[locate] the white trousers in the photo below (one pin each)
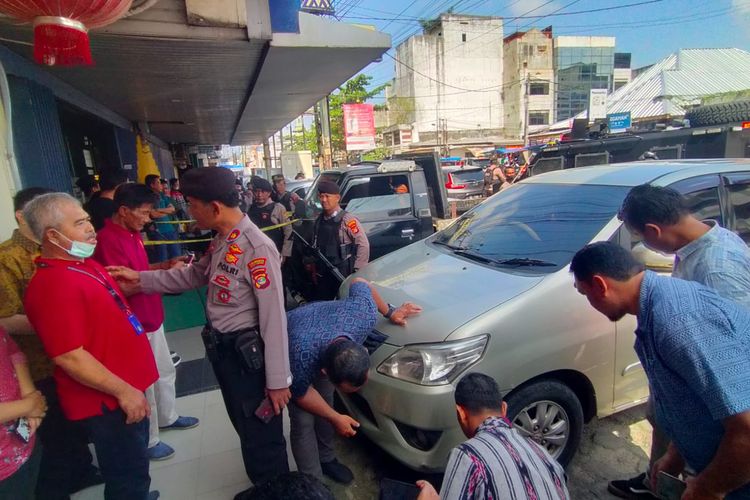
(161, 395)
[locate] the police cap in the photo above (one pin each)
(328, 187)
(211, 184)
(262, 185)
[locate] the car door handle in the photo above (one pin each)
(407, 233)
(631, 368)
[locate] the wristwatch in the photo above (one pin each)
(391, 310)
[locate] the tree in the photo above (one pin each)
(352, 92)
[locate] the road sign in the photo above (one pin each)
(317, 6)
(619, 122)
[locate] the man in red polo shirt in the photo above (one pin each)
(103, 361)
(119, 243)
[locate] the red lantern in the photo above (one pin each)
(61, 26)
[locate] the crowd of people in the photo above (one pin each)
(84, 357)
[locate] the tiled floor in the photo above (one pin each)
(207, 464)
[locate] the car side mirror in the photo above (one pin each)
(653, 260)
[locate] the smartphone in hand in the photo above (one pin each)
(23, 430)
(669, 487)
(265, 411)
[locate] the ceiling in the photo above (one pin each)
(220, 91)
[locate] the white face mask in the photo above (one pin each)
(79, 249)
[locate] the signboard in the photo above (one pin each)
(359, 127)
(317, 6)
(597, 104)
(618, 122)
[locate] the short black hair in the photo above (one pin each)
(296, 485)
(113, 178)
(86, 184)
(173, 181)
(478, 392)
(346, 361)
(134, 196)
(150, 178)
(605, 258)
(26, 195)
(647, 204)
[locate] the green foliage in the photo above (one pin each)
(725, 97)
(352, 92)
(305, 142)
(379, 153)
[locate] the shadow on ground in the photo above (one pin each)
(615, 447)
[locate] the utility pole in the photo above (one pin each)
(267, 157)
(526, 107)
(323, 129)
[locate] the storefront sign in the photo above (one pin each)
(597, 104)
(619, 122)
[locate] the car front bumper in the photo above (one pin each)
(413, 423)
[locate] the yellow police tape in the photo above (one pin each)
(203, 240)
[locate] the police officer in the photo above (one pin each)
(246, 335)
(265, 213)
(340, 237)
(281, 195)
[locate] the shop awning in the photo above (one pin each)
(213, 85)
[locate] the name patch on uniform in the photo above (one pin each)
(224, 296)
(222, 280)
(261, 279)
(256, 263)
(353, 226)
(231, 258)
(233, 235)
(227, 269)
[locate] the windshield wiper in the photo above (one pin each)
(474, 256)
(448, 245)
(523, 262)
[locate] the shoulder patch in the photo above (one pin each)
(233, 235)
(353, 226)
(259, 262)
(261, 279)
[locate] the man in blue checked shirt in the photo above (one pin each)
(325, 350)
(704, 252)
(694, 346)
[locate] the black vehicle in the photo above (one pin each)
(721, 141)
(390, 219)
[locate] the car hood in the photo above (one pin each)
(451, 290)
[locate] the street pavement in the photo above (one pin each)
(615, 447)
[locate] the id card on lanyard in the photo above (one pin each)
(132, 319)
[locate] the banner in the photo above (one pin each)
(598, 104)
(359, 127)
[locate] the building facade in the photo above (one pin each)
(528, 82)
(448, 81)
(582, 63)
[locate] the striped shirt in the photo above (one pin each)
(498, 463)
(720, 260)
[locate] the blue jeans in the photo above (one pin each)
(121, 452)
(166, 252)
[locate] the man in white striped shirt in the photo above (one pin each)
(496, 462)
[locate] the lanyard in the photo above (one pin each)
(112, 292)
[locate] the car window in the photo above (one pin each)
(378, 197)
(468, 175)
(702, 196)
(544, 222)
(738, 187)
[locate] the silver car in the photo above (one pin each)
(462, 183)
(498, 298)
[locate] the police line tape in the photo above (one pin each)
(204, 240)
(190, 221)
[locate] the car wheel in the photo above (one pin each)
(551, 414)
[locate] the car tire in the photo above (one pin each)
(719, 114)
(564, 417)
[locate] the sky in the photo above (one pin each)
(649, 31)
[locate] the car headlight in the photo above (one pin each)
(434, 364)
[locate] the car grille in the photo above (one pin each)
(363, 407)
(374, 340)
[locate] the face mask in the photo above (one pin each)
(79, 249)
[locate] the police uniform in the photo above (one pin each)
(246, 337)
(342, 240)
(272, 214)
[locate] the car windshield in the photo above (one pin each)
(468, 174)
(535, 226)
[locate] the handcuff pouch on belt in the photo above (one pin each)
(246, 343)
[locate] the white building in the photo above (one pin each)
(528, 67)
(453, 73)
